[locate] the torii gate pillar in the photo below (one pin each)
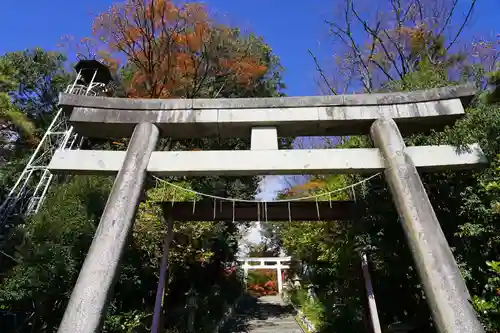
(445, 289)
(90, 297)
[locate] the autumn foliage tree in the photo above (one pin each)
(163, 49)
(168, 50)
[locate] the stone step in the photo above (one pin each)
(272, 322)
(276, 330)
(267, 319)
(291, 321)
(266, 314)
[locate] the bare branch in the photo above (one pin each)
(420, 10)
(353, 47)
(320, 71)
(381, 43)
(448, 18)
(462, 26)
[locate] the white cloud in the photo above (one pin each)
(269, 186)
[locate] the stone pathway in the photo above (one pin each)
(267, 314)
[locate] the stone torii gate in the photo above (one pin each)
(385, 116)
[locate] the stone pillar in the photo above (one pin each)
(90, 297)
(280, 278)
(444, 287)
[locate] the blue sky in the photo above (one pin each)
(291, 27)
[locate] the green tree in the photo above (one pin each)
(50, 250)
(14, 121)
(493, 96)
(39, 78)
(30, 82)
(463, 201)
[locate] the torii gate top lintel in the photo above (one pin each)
(414, 111)
(264, 259)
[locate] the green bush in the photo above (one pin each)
(312, 308)
(488, 305)
(260, 277)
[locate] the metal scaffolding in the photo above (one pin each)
(29, 191)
